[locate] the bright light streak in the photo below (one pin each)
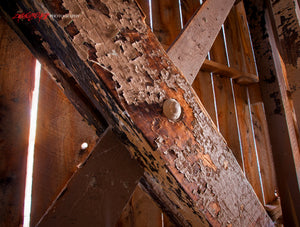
(150, 12)
(30, 155)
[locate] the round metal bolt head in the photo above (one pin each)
(172, 109)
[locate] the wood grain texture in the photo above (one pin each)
(286, 19)
(285, 15)
(98, 191)
(140, 210)
(191, 48)
(60, 132)
(188, 8)
(228, 122)
(203, 87)
(166, 21)
(16, 85)
(248, 144)
(189, 159)
(270, 73)
(260, 128)
(264, 151)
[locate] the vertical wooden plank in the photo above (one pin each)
(250, 158)
(259, 122)
(225, 101)
(166, 21)
(60, 132)
(16, 85)
(203, 86)
(264, 151)
(237, 60)
(271, 75)
(188, 7)
(245, 39)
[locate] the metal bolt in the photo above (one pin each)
(172, 109)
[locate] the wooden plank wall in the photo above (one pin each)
(237, 110)
(16, 85)
(60, 132)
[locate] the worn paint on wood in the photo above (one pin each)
(188, 158)
(286, 19)
(270, 73)
(16, 85)
(60, 132)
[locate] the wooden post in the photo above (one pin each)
(285, 15)
(277, 109)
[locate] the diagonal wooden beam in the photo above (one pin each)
(190, 49)
(98, 190)
(120, 65)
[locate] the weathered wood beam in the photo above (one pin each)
(63, 78)
(122, 68)
(285, 14)
(277, 109)
(98, 191)
(190, 49)
(221, 69)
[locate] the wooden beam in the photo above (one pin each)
(98, 191)
(190, 49)
(16, 86)
(285, 15)
(277, 109)
(218, 68)
(124, 71)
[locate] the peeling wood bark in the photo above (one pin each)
(277, 112)
(128, 77)
(189, 51)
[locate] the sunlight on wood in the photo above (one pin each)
(30, 155)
